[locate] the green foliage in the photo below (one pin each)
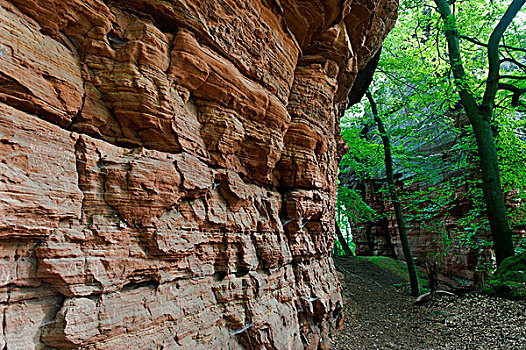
(418, 100)
(512, 158)
(352, 206)
(364, 157)
(338, 249)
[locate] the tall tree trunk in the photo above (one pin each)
(411, 267)
(492, 189)
(479, 117)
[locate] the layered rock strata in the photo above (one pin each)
(168, 170)
(441, 237)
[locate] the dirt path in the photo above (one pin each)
(380, 316)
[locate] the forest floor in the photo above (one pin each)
(380, 315)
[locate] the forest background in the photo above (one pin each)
(418, 94)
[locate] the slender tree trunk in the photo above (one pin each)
(343, 242)
(431, 270)
(411, 267)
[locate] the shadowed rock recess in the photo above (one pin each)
(168, 170)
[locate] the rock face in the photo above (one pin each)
(426, 239)
(168, 169)
(458, 258)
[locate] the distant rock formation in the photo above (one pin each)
(168, 169)
(442, 236)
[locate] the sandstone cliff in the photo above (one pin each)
(168, 169)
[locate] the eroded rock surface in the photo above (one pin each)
(168, 170)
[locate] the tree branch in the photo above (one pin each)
(511, 58)
(516, 77)
(393, 77)
(517, 92)
(515, 62)
(493, 53)
(479, 43)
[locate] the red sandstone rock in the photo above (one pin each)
(458, 259)
(168, 170)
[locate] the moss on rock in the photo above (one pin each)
(509, 281)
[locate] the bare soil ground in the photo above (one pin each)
(379, 315)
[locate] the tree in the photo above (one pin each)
(480, 116)
(413, 276)
(414, 88)
(343, 241)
